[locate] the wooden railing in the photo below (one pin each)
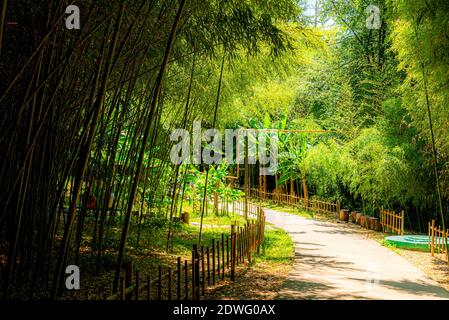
(253, 210)
(209, 264)
(323, 206)
(292, 200)
(392, 222)
(437, 239)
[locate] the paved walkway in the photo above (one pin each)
(332, 262)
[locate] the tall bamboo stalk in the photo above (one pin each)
(2, 21)
(207, 170)
(154, 100)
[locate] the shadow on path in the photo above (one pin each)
(333, 262)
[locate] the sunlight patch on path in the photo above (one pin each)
(332, 262)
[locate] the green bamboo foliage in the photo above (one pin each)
(89, 113)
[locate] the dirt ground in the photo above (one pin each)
(260, 281)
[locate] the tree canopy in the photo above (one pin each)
(89, 113)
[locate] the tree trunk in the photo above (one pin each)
(305, 190)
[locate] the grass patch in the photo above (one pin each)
(277, 247)
(289, 209)
(214, 220)
(183, 236)
(387, 244)
(275, 255)
(297, 211)
(266, 274)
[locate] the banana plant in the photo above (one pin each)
(292, 149)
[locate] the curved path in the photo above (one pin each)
(333, 262)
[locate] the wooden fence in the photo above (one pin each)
(392, 222)
(323, 206)
(209, 264)
(437, 239)
(253, 210)
(303, 203)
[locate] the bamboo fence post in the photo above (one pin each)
(257, 230)
(136, 289)
(203, 273)
(246, 244)
(218, 259)
(445, 237)
(248, 239)
(433, 238)
(393, 221)
(208, 265)
(159, 285)
(242, 251)
(251, 236)
(382, 216)
(193, 275)
(255, 234)
(387, 222)
(129, 278)
(441, 240)
(445, 248)
(122, 288)
(390, 221)
(186, 280)
(197, 272)
(227, 252)
(437, 240)
(393, 217)
(232, 252)
(148, 287)
(249, 244)
(213, 262)
(396, 221)
(242, 240)
(237, 246)
(169, 284)
(178, 284)
(222, 257)
(391, 224)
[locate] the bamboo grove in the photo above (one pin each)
(87, 117)
(92, 110)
